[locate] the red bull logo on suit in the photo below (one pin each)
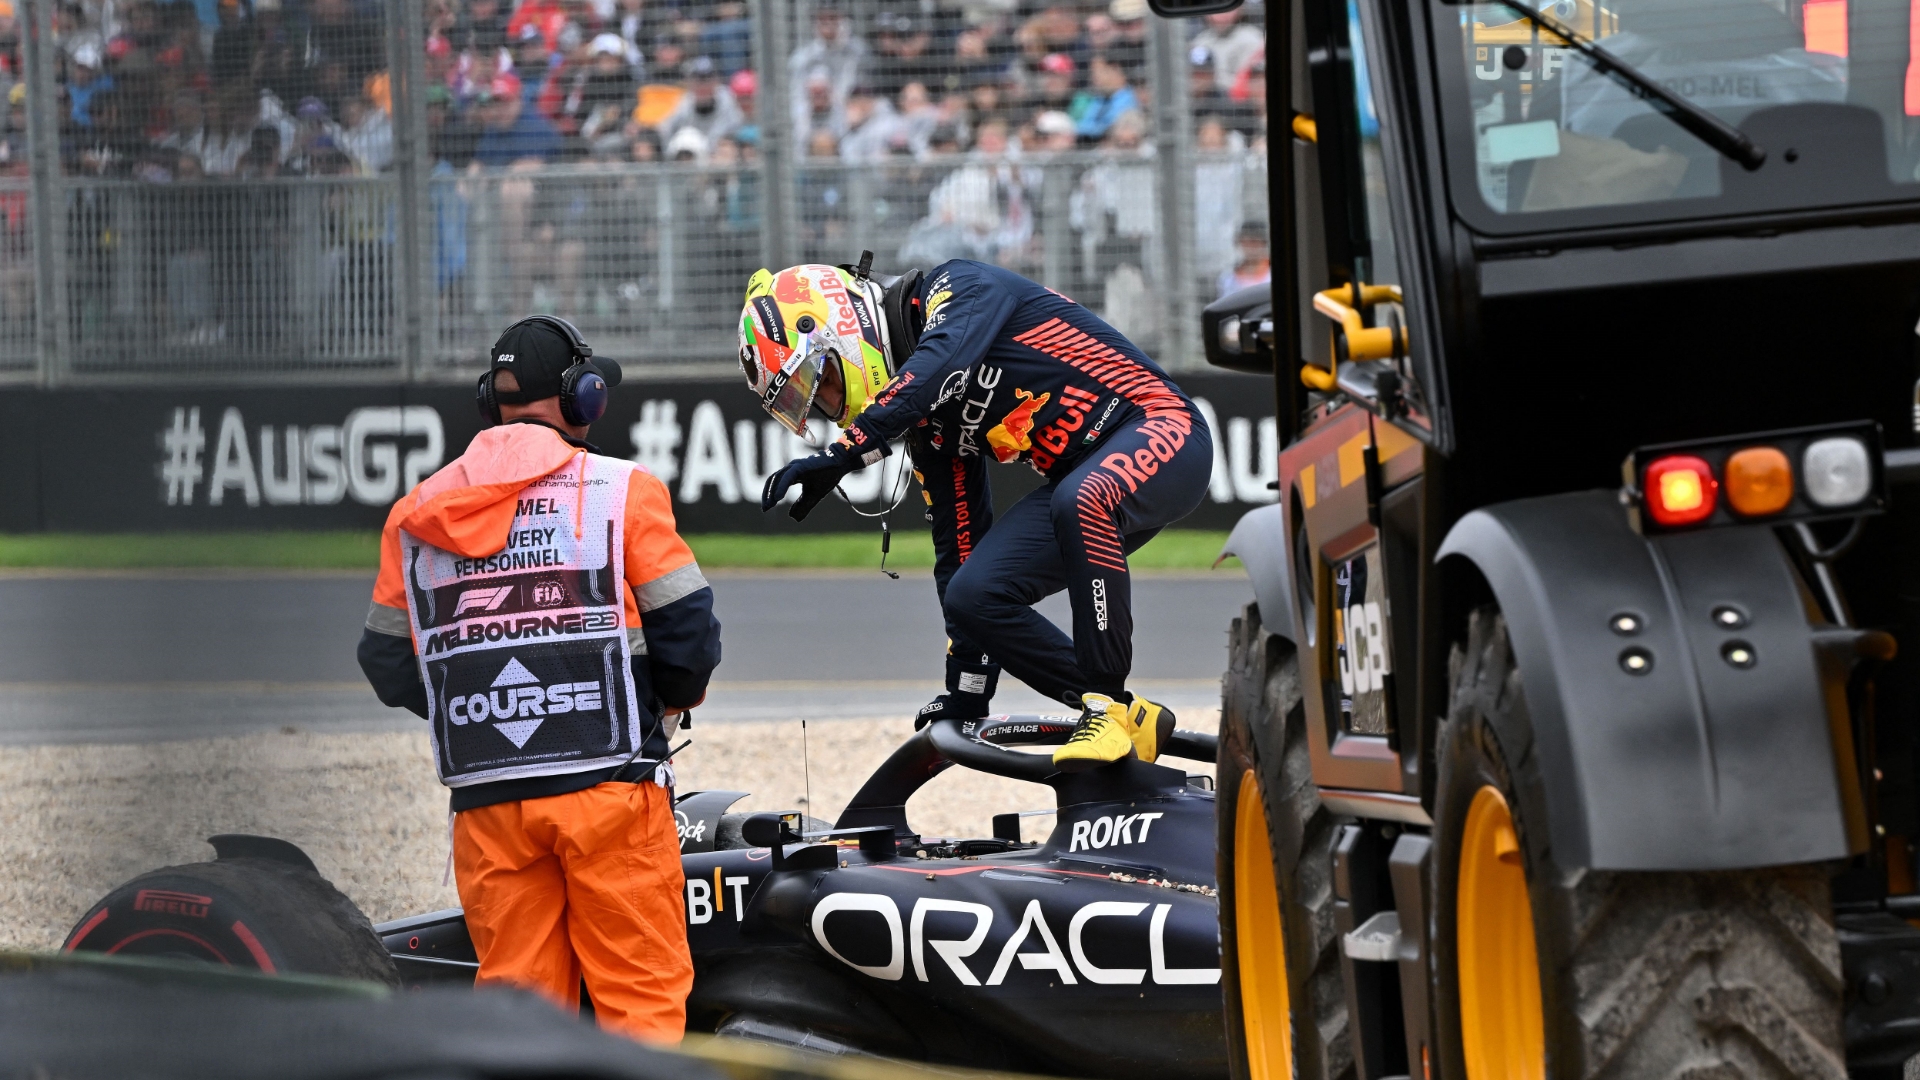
(1013, 435)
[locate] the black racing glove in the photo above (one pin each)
(818, 474)
(970, 688)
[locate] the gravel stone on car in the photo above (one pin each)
(77, 820)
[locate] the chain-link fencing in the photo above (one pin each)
(275, 190)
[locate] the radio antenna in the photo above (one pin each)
(806, 771)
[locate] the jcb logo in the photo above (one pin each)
(1363, 661)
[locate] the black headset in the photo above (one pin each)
(583, 392)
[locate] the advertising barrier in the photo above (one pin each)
(203, 458)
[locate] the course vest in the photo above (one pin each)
(524, 652)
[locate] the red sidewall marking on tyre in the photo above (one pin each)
(169, 932)
(253, 946)
(81, 935)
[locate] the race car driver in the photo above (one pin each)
(969, 362)
(536, 606)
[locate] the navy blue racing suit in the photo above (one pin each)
(1010, 370)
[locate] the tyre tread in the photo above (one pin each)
(1676, 975)
(1263, 684)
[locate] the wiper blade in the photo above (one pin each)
(1730, 141)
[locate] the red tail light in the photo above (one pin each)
(1681, 490)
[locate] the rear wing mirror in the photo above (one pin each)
(1238, 330)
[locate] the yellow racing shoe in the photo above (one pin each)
(1105, 735)
(1152, 726)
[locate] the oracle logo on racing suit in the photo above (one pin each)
(973, 411)
(911, 939)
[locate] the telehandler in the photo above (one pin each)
(1570, 734)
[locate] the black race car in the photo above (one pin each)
(1094, 953)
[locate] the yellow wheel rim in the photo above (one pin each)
(1262, 956)
(1502, 1030)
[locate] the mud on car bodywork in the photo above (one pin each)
(1092, 953)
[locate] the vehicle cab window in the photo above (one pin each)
(1539, 137)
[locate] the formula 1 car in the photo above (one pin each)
(1093, 953)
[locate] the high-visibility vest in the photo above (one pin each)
(525, 652)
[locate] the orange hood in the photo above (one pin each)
(467, 507)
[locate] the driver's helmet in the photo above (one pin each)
(800, 320)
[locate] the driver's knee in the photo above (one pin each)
(1083, 516)
(966, 593)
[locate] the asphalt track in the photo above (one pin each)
(145, 657)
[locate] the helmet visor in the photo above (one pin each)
(790, 395)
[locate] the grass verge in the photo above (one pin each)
(1175, 549)
(342, 550)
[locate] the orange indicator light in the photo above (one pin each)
(1759, 481)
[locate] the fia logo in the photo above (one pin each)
(549, 593)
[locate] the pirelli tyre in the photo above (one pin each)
(1543, 971)
(1285, 1004)
(261, 913)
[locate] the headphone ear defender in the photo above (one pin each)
(583, 395)
(483, 399)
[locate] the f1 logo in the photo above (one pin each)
(482, 600)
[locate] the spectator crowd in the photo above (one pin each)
(243, 88)
(951, 107)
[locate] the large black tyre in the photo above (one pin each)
(261, 914)
(1266, 799)
(1642, 975)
